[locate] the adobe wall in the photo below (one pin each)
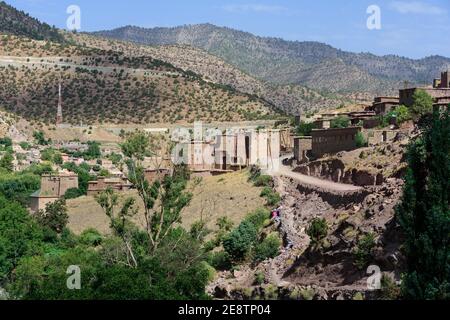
(57, 185)
(332, 141)
(301, 147)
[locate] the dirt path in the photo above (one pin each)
(286, 171)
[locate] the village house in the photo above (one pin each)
(332, 141)
(384, 105)
(53, 187)
(103, 183)
(231, 151)
(440, 91)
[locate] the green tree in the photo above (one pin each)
(54, 216)
(170, 193)
(40, 138)
(19, 236)
(422, 104)
(238, 243)
(361, 141)
(340, 122)
(364, 250)
(93, 151)
(403, 114)
(305, 129)
(317, 230)
(6, 162)
(424, 213)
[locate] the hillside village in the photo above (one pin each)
(145, 162)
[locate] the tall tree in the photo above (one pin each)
(54, 216)
(167, 192)
(424, 212)
(422, 105)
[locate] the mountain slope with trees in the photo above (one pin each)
(19, 23)
(312, 64)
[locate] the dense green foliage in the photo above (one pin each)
(84, 176)
(422, 105)
(424, 212)
(19, 236)
(317, 230)
(340, 122)
(18, 186)
(305, 129)
(268, 248)
(361, 141)
(363, 252)
(239, 242)
(54, 217)
(40, 138)
(6, 162)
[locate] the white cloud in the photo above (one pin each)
(260, 8)
(416, 7)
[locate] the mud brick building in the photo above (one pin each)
(331, 141)
(383, 105)
(439, 91)
(156, 174)
(53, 187)
(103, 183)
(231, 151)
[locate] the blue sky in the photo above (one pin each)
(412, 28)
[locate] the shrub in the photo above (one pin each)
(423, 103)
(361, 141)
(307, 294)
(268, 248)
(305, 129)
(220, 260)
(402, 113)
(54, 216)
(238, 243)
(364, 250)
(260, 278)
(258, 218)
(272, 197)
(317, 230)
(263, 181)
(340, 122)
(73, 193)
(91, 237)
(389, 290)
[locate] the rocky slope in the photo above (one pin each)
(312, 64)
(331, 269)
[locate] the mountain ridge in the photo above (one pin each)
(291, 62)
